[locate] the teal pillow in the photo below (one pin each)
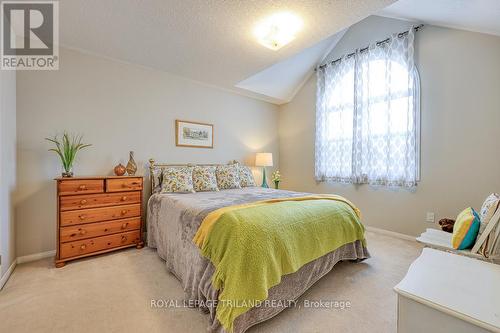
(465, 229)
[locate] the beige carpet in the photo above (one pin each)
(113, 293)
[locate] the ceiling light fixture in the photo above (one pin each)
(277, 30)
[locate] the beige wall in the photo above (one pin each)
(7, 167)
(460, 127)
(120, 107)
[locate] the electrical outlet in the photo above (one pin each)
(429, 217)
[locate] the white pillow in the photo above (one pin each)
(488, 208)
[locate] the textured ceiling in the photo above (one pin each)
(474, 15)
(209, 41)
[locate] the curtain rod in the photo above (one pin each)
(380, 42)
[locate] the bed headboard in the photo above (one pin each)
(156, 169)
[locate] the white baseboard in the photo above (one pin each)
(24, 259)
(36, 256)
(391, 233)
(7, 274)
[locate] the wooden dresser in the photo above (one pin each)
(97, 215)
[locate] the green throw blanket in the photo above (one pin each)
(252, 246)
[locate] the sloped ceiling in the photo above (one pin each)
(474, 15)
(281, 81)
(209, 41)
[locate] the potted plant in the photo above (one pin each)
(276, 178)
(67, 147)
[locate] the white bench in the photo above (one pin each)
(441, 240)
(448, 293)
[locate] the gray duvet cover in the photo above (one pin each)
(173, 220)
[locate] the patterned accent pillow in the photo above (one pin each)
(465, 229)
(228, 176)
(489, 208)
(204, 178)
(178, 180)
(246, 176)
(157, 179)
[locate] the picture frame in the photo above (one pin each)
(193, 134)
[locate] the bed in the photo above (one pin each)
(173, 220)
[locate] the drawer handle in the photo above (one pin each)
(82, 217)
(82, 187)
(124, 238)
(83, 231)
(124, 212)
(124, 198)
(124, 225)
(83, 247)
(131, 184)
(83, 202)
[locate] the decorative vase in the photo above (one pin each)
(276, 184)
(131, 165)
(120, 170)
(67, 173)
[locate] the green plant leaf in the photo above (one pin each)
(57, 152)
(67, 148)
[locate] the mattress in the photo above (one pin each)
(174, 218)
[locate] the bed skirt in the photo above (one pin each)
(292, 286)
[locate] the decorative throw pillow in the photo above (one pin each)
(177, 180)
(157, 179)
(204, 179)
(246, 176)
(488, 208)
(228, 176)
(465, 229)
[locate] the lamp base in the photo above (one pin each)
(264, 180)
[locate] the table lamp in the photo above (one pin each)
(263, 160)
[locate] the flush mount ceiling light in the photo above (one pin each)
(277, 30)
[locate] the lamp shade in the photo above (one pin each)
(264, 159)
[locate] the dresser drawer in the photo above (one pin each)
(98, 200)
(91, 230)
(81, 247)
(80, 186)
(123, 184)
(99, 214)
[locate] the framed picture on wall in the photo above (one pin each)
(193, 134)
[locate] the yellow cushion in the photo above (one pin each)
(465, 229)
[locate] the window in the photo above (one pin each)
(367, 116)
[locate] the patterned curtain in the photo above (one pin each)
(367, 116)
